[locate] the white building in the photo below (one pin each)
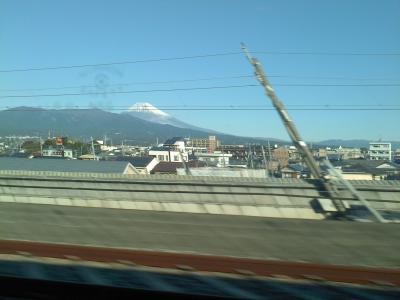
(380, 151)
(168, 154)
(66, 153)
(170, 151)
(224, 172)
(214, 159)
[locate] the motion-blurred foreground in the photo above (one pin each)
(188, 236)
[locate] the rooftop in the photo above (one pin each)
(170, 167)
(137, 161)
(62, 165)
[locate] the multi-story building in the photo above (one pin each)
(173, 150)
(168, 154)
(281, 155)
(242, 152)
(396, 157)
(349, 153)
(211, 143)
(380, 151)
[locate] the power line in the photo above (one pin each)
(195, 80)
(211, 106)
(216, 109)
(134, 83)
(120, 62)
(130, 92)
(328, 53)
(194, 88)
(388, 54)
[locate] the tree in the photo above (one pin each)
(31, 146)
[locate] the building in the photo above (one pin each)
(281, 155)
(60, 153)
(396, 157)
(242, 152)
(216, 159)
(350, 153)
(166, 167)
(64, 165)
(168, 154)
(212, 143)
(225, 172)
(367, 169)
(380, 151)
(294, 154)
(289, 172)
(144, 165)
(173, 150)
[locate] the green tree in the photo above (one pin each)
(31, 146)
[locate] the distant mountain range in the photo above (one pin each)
(148, 112)
(84, 123)
(353, 143)
(142, 124)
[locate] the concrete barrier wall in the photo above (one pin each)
(283, 198)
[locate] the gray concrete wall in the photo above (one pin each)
(281, 198)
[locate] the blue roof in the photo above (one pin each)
(137, 161)
(163, 148)
(173, 140)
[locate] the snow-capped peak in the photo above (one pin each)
(147, 107)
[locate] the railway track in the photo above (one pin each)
(207, 263)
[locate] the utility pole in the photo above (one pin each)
(301, 146)
(41, 146)
(265, 161)
(269, 158)
(293, 133)
(93, 153)
(185, 165)
(250, 158)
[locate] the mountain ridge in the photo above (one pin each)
(95, 122)
(147, 111)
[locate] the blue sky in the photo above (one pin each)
(53, 33)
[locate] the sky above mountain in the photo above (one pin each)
(69, 33)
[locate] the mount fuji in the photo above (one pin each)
(150, 113)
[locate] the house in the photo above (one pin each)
(144, 165)
(173, 150)
(165, 167)
(217, 159)
(168, 154)
(367, 169)
(63, 165)
(292, 171)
